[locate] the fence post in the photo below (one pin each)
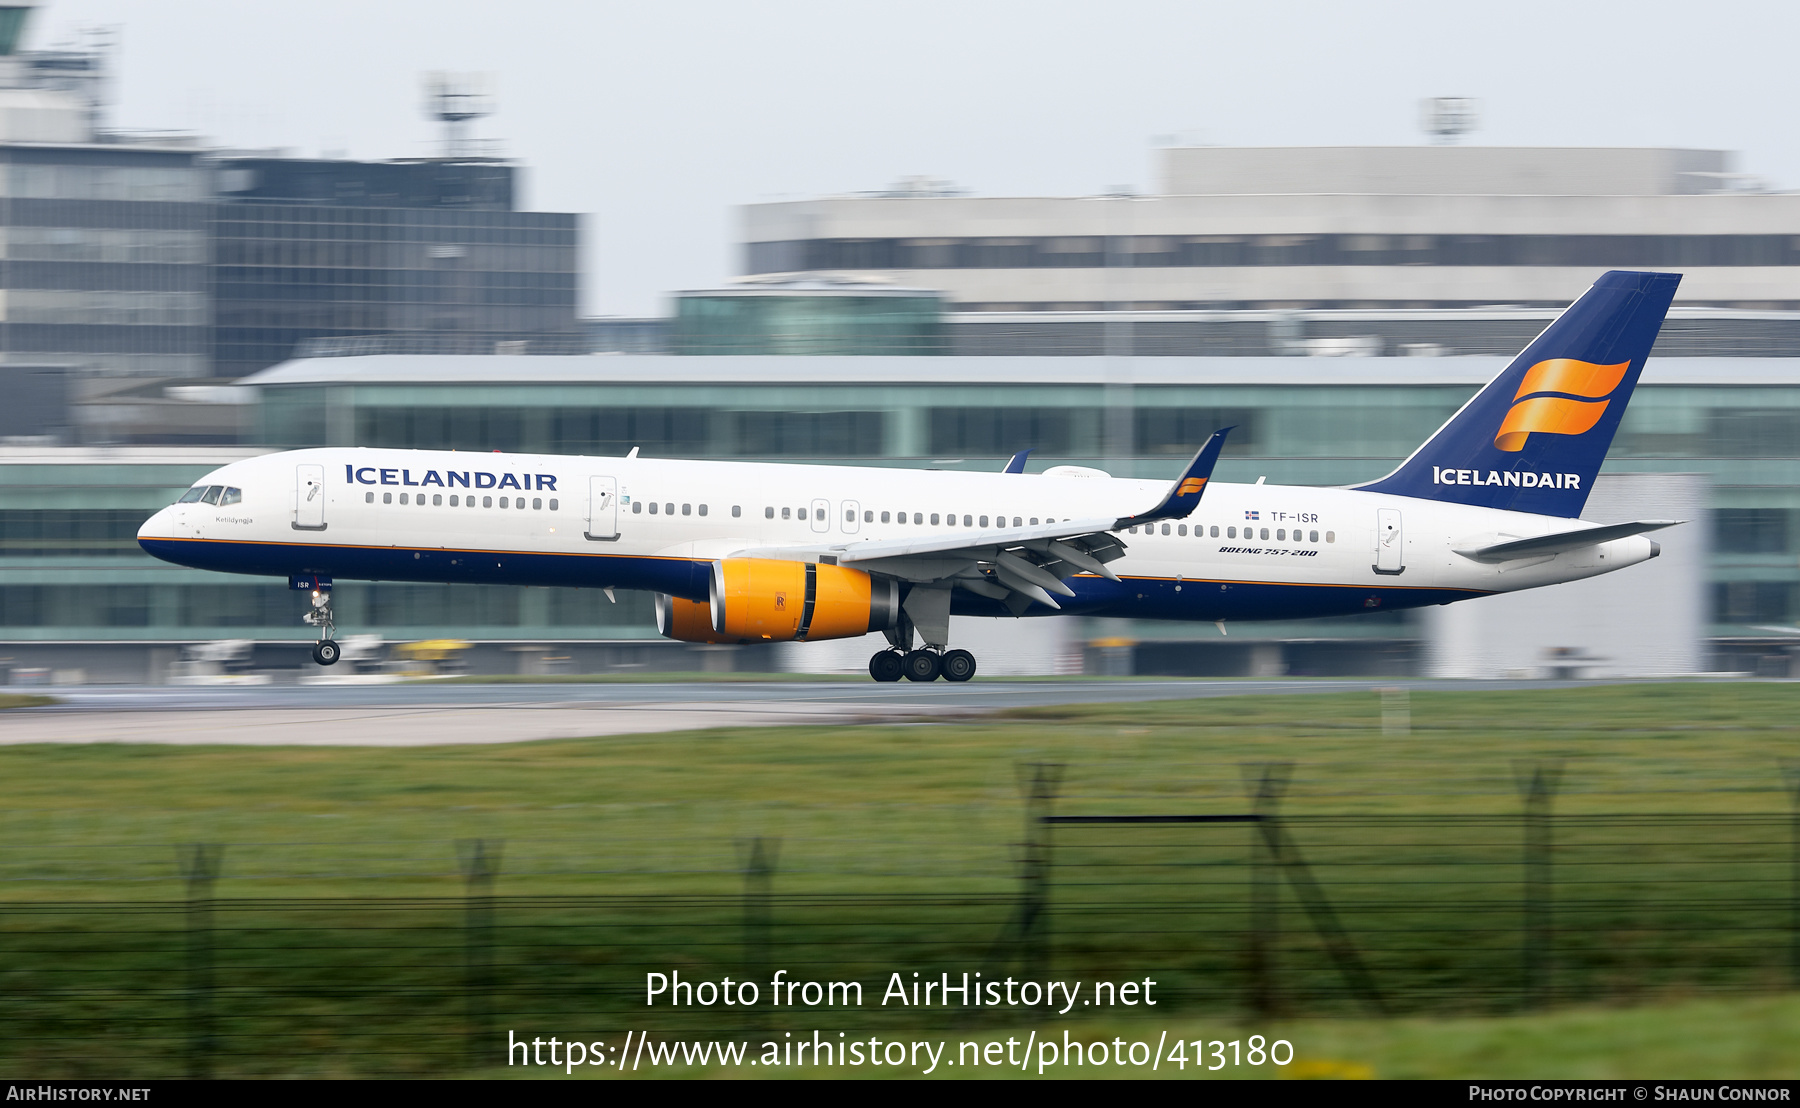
(1268, 781)
(759, 855)
(199, 864)
(1791, 771)
(1039, 786)
(1538, 951)
(479, 860)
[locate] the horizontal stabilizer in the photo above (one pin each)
(1563, 540)
(1184, 495)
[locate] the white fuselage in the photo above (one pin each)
(1247, 551)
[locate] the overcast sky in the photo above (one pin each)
(655, 118)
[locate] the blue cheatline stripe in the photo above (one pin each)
(1135, 597)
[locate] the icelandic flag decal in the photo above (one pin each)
(1250, 515)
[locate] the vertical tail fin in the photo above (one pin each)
(1534, 438)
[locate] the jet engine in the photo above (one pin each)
(766, 600)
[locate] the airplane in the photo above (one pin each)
(743, 552)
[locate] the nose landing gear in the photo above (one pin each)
(325, 651)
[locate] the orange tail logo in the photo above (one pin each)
(1558, 415)
(1192, 484)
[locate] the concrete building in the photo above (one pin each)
(1317, 228)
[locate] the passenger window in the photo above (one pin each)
(437, 499)
(669, 509)
(1016, 522)
(488, 502)
(387, 498)
(536, 503)
(1215, 531)
(454, 501)
(368, 498)
(702, 509)
(192, 495)
(636, 509)
(653, 507)
(687, 509)
(1265, 534)
(884, 517)
(1181, 530)
(1231, 532)
(984, 521)
(402, 498)
(1281, 535)
(519, 503)
(786, 513)
(868, 517)
(553, 503)
(1331, 536)
(768, 513)
(1132, 531)
(1034, 521)
(1312, 536)
(736, 510)
(502, 501)
(934, 519)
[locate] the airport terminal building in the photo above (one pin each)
(69, 567)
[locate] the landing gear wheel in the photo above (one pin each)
(325, 652)
(958, 665)
(922, 665)
(888, 665)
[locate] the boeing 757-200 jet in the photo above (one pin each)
(752, 552)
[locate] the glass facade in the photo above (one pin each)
(733, 322)
(70, 570)
(1064, 252)
(103, 260)
(287, 273)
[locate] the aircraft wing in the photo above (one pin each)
(1016, 565)
(1562, 541)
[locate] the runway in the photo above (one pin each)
(431, 714)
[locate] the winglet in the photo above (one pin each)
(1184, 494)
(1017, 464)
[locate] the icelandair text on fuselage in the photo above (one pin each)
(1526, 479)
(449, 478)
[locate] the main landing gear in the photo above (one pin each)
(922, 665)
(926, 612)
(325, 651)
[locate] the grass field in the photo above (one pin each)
(340, 867)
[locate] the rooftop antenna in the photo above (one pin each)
(1447, 118)
(456, 100)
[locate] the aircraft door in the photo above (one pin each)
(852, 517)
(309, 498)
(821, 515)
(1390, 543)
(603, 510)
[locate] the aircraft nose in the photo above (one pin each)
(155, 526)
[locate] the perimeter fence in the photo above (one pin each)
(1224, 914)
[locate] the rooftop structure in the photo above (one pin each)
(1324, 228)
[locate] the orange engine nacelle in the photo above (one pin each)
(765, 600)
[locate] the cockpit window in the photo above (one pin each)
(211, 496)
(231, 496)
(192, 495)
